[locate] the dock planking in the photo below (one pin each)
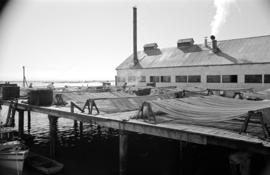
(172, 130)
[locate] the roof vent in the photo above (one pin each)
(185, 42)
(150, 46)
(214, 44)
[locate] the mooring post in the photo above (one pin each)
(123, 148)
(53, 135)
(29, 121)
(21, 123)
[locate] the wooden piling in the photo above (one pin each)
(240, 163)
(21, 123)
(81, 128)
(29, 121)
(53, 135)
(75, 125)
(123, 148)
(181, 157)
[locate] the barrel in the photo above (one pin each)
(143, 92)
(40, 97)
(9, 91)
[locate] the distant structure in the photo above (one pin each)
(235, 63)
(25, 84)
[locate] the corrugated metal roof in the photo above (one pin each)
(234, 51)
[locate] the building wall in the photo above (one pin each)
(240, 70)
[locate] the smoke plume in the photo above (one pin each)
(222, 10)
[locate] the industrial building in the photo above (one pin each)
(234, 63)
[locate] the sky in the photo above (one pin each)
(88, 39)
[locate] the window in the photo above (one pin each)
(154, 78)
(121, 79)
(194, 78)
(267, 78)
(165, 79)
(253, 78)
(181, 79)
(131, 78)
(142, 79)
(213, 79)
(229, 78)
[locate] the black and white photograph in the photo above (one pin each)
(134, 87)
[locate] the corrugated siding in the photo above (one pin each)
(235, 51)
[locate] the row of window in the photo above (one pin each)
(256, 78)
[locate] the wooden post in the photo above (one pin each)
(75, 125)
(21, 123)
(29, 121)
(181, 158)
(53, 135)
(240, 163)
(123, 148)
(81, 128)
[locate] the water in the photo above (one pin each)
(59, 84)
(93, 150)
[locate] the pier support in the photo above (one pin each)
(123, 150)
(240, 163)
(53, 135)
(28, 121)
(81, 129)
(75, 125)
(181, 157)
(21, 123)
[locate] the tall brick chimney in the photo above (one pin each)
(135, 56)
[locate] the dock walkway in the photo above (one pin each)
(183, 132)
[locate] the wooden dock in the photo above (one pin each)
(123, 122)
(182, 132)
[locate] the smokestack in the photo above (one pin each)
(205, 42)
(214, 44)
(135, 57)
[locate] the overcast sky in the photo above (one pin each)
(88, 39)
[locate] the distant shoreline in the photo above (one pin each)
(59, 81)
